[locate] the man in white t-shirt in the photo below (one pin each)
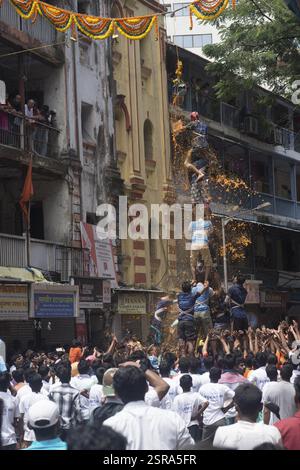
(259, 376)
(165, 372)
(96, 393)
(83, 383)
(145, 427)
(35, 383)
(247, 434)
(25, 389)
(10, 415)
(190, 406)
(219, 397)
(281, 394)
(194, 372)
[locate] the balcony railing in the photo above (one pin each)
(230, 116)
(40, 30)
(19, 132)
(48, 256)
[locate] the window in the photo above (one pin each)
(260, 174)
(86, 7)
(184, 12)
(195, 41)
(283, 180)
(87, 122)
(201, 40)
(148, 140)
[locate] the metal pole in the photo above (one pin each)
(28, 236)
(223, 221)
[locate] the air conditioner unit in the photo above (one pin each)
(278, 136)
(251, 125)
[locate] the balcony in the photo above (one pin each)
(56, 258)
(41, 30)
(18, 132)
(230, 116)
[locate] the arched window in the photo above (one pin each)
(148, 139)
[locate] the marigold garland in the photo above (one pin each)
(135, 28)
(95, 27)
(208, 10)
(101, 28)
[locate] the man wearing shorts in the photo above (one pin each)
(200, 231)
(186, 323)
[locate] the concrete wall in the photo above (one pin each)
(140, 76)
(180, 25)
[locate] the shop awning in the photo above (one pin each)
(21, 274)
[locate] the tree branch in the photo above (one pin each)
(261, 12)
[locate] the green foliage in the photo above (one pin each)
(260, 45)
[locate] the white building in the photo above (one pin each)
(179, 32)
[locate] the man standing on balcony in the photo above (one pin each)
(30, 127)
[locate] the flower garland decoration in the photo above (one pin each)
(101, 28)
(208, 9)
(92, 26)
(136, 28)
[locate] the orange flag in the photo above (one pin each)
(27, 192)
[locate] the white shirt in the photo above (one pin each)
(197, 382)
(259, 377)
(151, 398)
(28, 111)
(96, 395)
(187, 406)
(205, 378)
(282, 394)
(22, 392)
(296, 373)
(149, 428)
(84, 382)
(216, 395)
(166, 402)
(10, 412)
(45, 388)
(26, 402)
(244, 435)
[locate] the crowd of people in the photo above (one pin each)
(235, 390)
(39, 123)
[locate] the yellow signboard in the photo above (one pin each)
(13, 302)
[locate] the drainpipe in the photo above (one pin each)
(75, 90)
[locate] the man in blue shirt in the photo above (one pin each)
(186, 325)
(43, 418)
(203, 321)
(236, 298)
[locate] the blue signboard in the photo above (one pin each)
(54, 305)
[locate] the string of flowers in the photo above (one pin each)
(101, 28)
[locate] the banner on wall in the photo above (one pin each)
(54, 301)
(132, 303)
(13, 302)
(101, 258)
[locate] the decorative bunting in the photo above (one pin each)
(94, 27)
(135, 28)
(59, 18)
(208, 9)
(25, 8)
(101, 28)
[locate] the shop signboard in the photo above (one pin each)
(90, 292)
(54, 301)
(14, 303)
(273, 299)
(132, 303)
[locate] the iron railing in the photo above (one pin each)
(47, 256)
(22, 133)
